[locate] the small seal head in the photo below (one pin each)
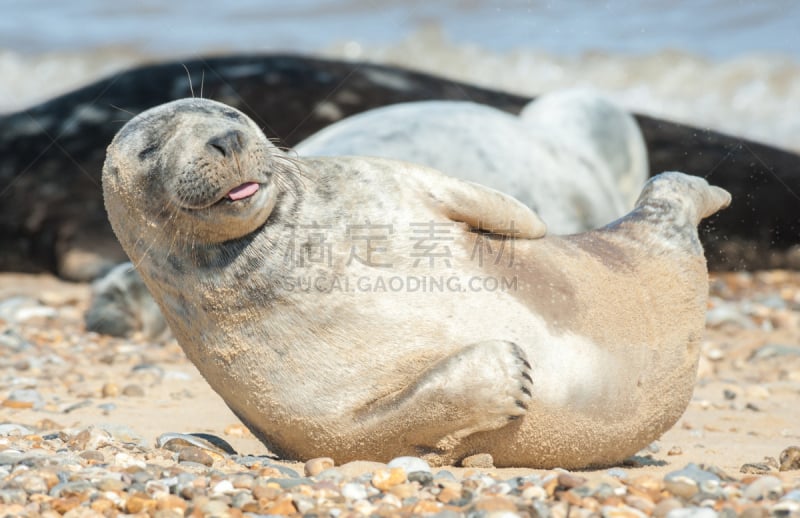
(203, 171)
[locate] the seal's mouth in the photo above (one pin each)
(243, 191)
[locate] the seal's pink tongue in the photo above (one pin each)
(243, 191)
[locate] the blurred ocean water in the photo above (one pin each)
(725, 64)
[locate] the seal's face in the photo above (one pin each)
(193, 168)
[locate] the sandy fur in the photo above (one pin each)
(591, 357)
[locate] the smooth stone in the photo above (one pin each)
(222, 487)
(541, 508)
(316, 466)
(175, 441)
(444, 474)
(107, 407)
(110, 390)
(109, 483)
(617, 473)
(608, 511)
(242, 481)
(26, 396)
(480, 461)
(423, 478)
(756, 468)
(692, 512)
(30, 482)
(91, 438)
(10, 339)
(195, 454)
(303, 503)
(13, 496)
(686, 482)
(410, 464)
(765, 488)
(289, 483)
(534, 493)
(133, 391)
(785, 509)
(7, 429)
(794, 495)
(71, 488)
(753, 511)
(92, 455)
(775, 351)
(728, 313)
(353, 491)
(385, 479)
(249, 461)
(215, 508)
(331, 475)
(285, 471)
(357, 468)
(241, 499)
(570, 481)
(773, 301)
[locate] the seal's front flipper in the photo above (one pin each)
(483, 208)
(480, 388)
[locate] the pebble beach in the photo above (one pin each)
(97, 426)
(100, 426)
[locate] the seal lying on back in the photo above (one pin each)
(586, 354)
(576, 159)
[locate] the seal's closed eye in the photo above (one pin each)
(149, 151)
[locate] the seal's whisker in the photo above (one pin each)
(170, 213)
(189, 76)
(122, 110)
(290, 166)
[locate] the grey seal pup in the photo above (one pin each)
(578, 160)
(587, 353)
(122, 306)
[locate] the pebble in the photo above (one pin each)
(353, 491)
(481, 460)
(110, 390)
(48, 470)
(569, 481)
(692, 512)
(767, 487)
(756, 468)
(24, 398)
(686, 482)
(410, 464)
(195, 454)
(7, 429)
(384, 479)
(133, 391)
(214, 445)
(774, 350)
(316, 466)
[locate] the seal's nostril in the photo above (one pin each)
(228, 143)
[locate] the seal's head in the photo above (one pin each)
(193, 169)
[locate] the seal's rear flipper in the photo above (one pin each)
(686, 196)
